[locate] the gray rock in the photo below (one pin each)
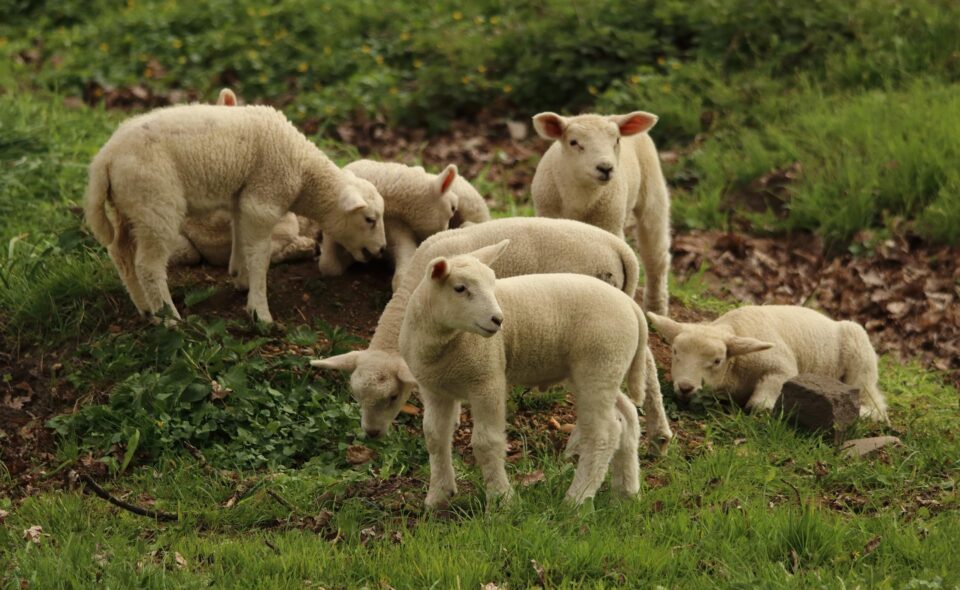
(821, 403)
(861, 447)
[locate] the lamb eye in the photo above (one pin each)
(454, 208)
(460, 288)
(394, 397)
(573, 143)
(716, 362)
(372, 221)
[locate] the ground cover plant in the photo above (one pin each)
(790, 133)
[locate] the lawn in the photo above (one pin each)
(856, 105)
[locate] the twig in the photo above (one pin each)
(795, 490)
(282, 500)
(269, 544)
(196, 454)
(155, 514)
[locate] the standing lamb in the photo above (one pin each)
(209, 237)
(381, 380)
(467, 336)
(750, 352)
(599, 170)
(417, 205)
(159, 167)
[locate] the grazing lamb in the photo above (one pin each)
(599, 170)
(159, 167)
(750, 352)
(380, 379)
(467, 336)
(416, 206)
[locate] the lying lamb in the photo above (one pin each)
(380, 379)
(467, 336)
(750, 352)
(417, 205)
(161, 166)
(599, 170)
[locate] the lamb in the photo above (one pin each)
(750, 352)
(381, 380)
(418, 205)
(598, 170)
(467, 336)
(161, 166)
(208, 238)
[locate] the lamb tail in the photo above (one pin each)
(95, 201)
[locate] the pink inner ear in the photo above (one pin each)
(451, 176)
(229, 101)
(637, 124)
(552, 126)
(439, 270)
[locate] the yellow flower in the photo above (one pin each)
(507, 89)
(661, 60)
(181, 60)
(635, 79)
(148, 73)
(393, 91)
(3, 41)
(328, 109)
(666, 89)
(327, 50)
(263, 78)
(457, 15)
(465, 80)
(251, 11)
(303, 67)
(675, 65)
(378, 59)
(405, 36)
(482, 69)
(592, 90)
(264, 12)
(280, 34)
(366, 49)
(176, 43)
(104, 48)
(494, 20)
(417, 64)
(263, 42)
(252, 55)
(478, 19)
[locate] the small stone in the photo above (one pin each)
(518, 130)
(861, 447)
(816, 402)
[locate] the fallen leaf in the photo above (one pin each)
(218, 391)
(567, 428)
(492, 586)
(33, 534)
(180, 560)
(552, 422)
(871, 545)
(410, 410)
(541, 574)
(359, 454)
(532, 478)
(3, 515)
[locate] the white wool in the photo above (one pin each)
(207, 238)
(467, 336)
(601, 170)
(750, 352)
(380, 379)
(161, 166)
(417, 204)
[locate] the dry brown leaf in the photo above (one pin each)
(33, 534)
(179, 560)
(359, 454)
(532, 478)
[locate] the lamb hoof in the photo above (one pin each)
(499, 499)
(439, 499)
(260, 315)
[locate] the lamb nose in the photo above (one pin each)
(382, 251)
(605, 169)
(685, 389)
(497, 320)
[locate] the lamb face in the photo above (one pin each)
(359, 223)
(462, 292)
(380, 382)
(590, 144)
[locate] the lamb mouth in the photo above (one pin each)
(487, 331)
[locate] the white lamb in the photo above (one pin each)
(381, 380)
(601, 169)
(750, 352)
(467, 336)
(417, 205)
(208, 238)
(159, 167)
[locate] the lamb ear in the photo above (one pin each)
(549, 125)
(489, 254)
(350, 200)
(227, 98)
(667, 328)
(445, 179)
(439, 269)
(404, 374)
(737, 345)
(341, 362)
(634, 123)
